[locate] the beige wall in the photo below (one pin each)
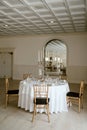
(26, 53)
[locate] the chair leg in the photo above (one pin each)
(82, 101)
(35, 110)
(69, 103)
(6, 101)
(34, 113)
(48, 112)
(79, 105)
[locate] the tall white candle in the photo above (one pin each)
(41, 55)
(61, 60)
(43, 52)
(58, 59)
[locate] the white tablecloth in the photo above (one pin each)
(57, 95)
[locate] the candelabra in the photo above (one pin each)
(41, 62)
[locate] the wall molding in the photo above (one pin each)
(7, 49)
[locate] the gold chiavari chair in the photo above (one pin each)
(26, 75)
(41, 99)
(9, 92)
(76, 97)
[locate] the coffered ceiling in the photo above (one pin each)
(42, 16)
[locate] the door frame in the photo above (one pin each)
(11, 51)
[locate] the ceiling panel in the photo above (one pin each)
(42, 16)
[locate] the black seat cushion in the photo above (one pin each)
(41, 101)
(13, 92)
(73, 94)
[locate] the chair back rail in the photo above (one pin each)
(81, 88)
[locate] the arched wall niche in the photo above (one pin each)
(55, 57)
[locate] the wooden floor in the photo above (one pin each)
(14, 118)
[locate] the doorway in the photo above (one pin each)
(6, 64)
